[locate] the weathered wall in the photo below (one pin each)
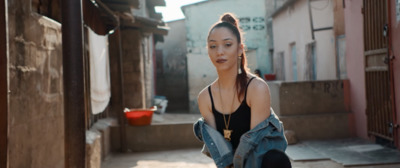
(172, 79)
(133, 65)
(200, 17)
(148, 53)
(292, 26)
(310, 97)
(313, 109)
(355, 67)
(36, 113)
(395, 28)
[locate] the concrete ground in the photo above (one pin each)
(192, 158)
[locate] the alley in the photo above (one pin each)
(80, 80)
(192, 158)
(339, 153)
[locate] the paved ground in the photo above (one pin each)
(164, 159)
(194, 159)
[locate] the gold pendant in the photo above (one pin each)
(227, 134)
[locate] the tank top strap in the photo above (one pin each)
(211, 97)
(245, 92)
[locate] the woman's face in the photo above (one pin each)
(223, 48)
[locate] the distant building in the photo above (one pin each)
(305, 41)
(171, 62)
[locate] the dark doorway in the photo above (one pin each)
(3, 86)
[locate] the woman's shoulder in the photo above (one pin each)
(257, 82)
(258, 86)
(204, 94)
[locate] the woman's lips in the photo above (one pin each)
(221, 60)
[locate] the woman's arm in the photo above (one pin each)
(204, 103)
(258, 98)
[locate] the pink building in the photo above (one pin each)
(372, 32)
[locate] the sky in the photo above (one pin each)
(172, 9)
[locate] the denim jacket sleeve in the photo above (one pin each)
(214, 144)
(255, 143)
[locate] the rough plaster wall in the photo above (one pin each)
(133, 65)
(354, 64)
(199, 18)
(172, 77)
(147, 45)
(36, 119)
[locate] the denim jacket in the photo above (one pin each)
(253, 144)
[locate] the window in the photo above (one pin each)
(311, 72)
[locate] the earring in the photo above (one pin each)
(239, 63)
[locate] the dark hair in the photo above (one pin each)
(228, 20)
(275, 159)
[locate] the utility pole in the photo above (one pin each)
(74, 88)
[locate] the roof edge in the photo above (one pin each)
(284, 6)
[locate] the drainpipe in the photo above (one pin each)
(3, 85)
(74, 92)
(391, 57)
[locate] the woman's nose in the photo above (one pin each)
(220, 51)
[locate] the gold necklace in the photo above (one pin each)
(227, 131)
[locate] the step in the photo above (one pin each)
(167, 132)
(319, 126)
(309, 97)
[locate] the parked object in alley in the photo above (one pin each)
(269, 77)
(161, 102)
(139, 117)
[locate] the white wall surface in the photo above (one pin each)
(292, 25)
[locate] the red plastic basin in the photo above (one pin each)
(138, 117)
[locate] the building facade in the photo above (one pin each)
(172, 77)
(304, 41)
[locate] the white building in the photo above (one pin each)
(297, 56)
(201, 16)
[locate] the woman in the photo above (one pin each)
(235, 107)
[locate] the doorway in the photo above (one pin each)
(377, 72)
(3, 86)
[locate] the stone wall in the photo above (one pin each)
(313, 97)
(133, 65)
(314, 109)
(36, 113)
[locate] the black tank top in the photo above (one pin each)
(240, 119)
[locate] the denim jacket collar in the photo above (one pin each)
(224, 156)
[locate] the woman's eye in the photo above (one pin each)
(212, 46)
(228, 44)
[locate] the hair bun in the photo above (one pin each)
(230, 18)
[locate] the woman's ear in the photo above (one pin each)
(241, 49)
